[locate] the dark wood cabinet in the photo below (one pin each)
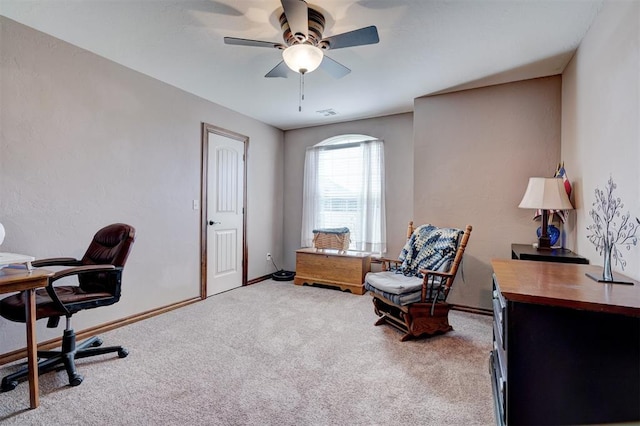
(566, 349)
(561, 255)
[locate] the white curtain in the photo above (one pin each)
(310, 197)
(344, 186)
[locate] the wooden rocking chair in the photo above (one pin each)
(414, 301)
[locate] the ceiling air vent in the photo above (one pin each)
(327, 112)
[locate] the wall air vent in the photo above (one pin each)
(327, 112)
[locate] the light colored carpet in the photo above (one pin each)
(272, 354)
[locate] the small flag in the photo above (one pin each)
(561, 173)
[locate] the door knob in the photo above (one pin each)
(211, 222)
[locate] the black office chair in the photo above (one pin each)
(99, 274)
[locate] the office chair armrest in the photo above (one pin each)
(81, 270)
(73, 271)
(56, 261)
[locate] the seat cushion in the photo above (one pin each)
(399, 289)
(396, 287)
(398, 299)
(12, 307)
(391, 282)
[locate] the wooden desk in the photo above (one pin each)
(27, 281)
(566, 349)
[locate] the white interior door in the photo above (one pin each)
(225, 213)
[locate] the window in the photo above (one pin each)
(344, 186)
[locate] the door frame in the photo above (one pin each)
(206, 130)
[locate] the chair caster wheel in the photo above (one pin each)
(76, 380)
(9, 386)
(122, 353)
(96, 343)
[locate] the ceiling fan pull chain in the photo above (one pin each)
(301, 94)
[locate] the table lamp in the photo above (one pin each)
(545, 194)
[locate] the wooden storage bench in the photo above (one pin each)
(343, 269)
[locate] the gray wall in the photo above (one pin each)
(86, 142)
(601, 122)
(474, 153)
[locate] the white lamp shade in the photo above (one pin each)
(1, 233)
(546, 194)
(302, 58)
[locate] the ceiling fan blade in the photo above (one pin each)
(280, 70)
(334, 68)
(297, 14)
(254, 43)
(363, 36)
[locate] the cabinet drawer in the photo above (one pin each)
(498, 323)
(501, 360)
(499, 385)
(497, 295)
(499, 315)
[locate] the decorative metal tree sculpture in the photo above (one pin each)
(611, 229)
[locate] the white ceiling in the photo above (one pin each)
(426, 47)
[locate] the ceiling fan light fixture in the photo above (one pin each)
(302, 58)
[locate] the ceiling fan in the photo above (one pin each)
(303, 48)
